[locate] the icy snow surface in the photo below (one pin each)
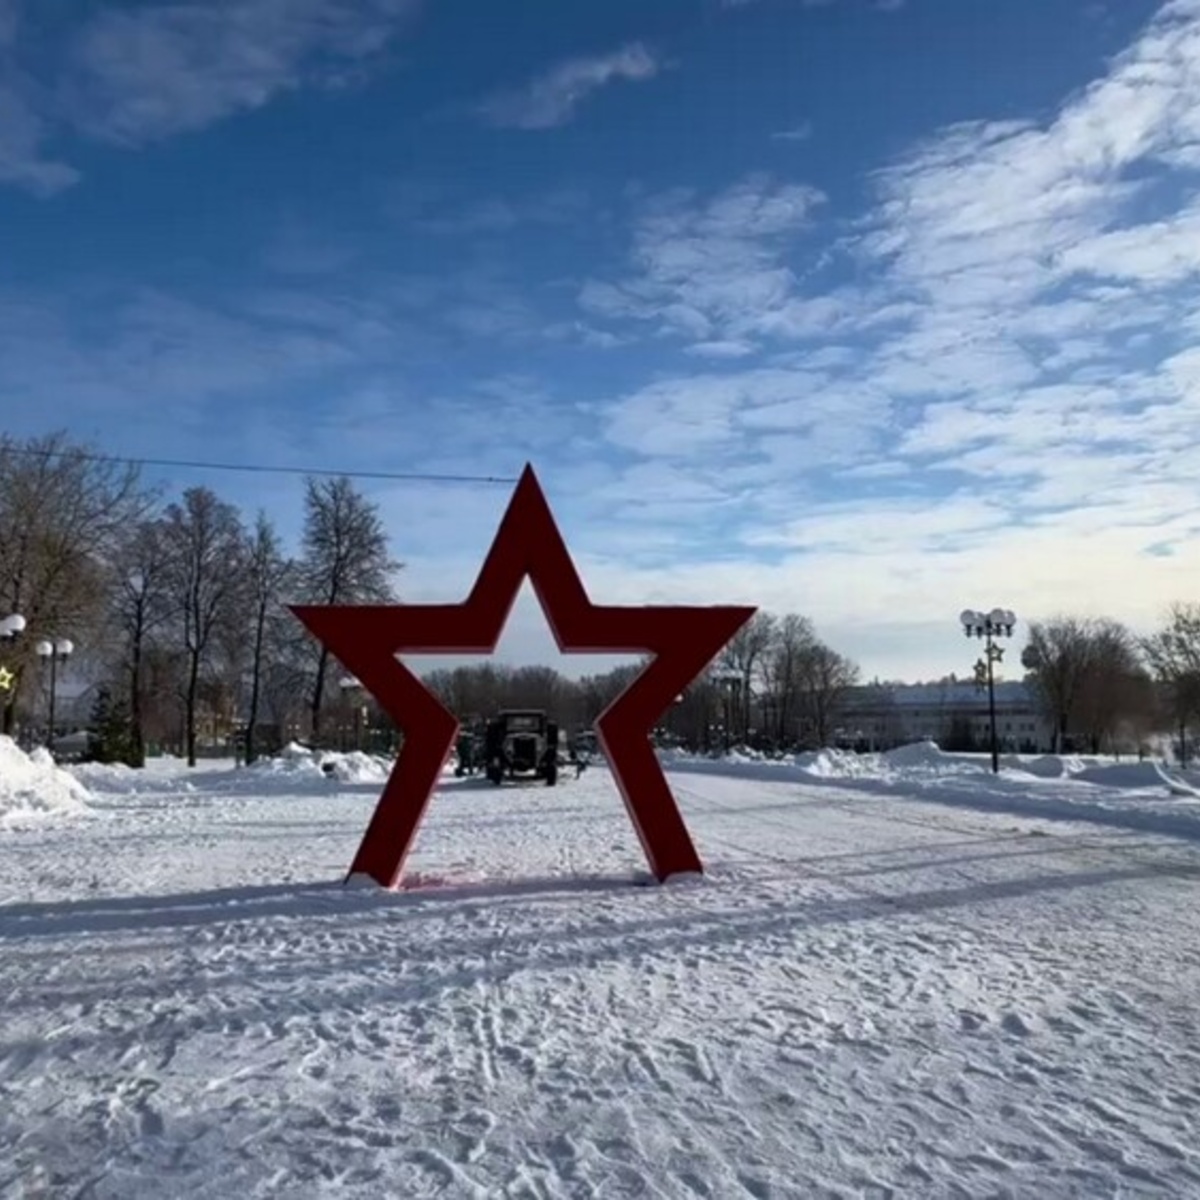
(894, 979)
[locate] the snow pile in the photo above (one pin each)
(356, 767)
(32, 787)
(293, 759)
(297, 761)
(1049, 766)
(158, 776)
(836, 764)
(106, 777)
(922, 755)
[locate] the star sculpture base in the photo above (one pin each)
(367, 639)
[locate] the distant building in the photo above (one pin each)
(74, 702)
(952, 713)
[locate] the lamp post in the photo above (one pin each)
(989, 626)
(729, 680)
(11, 628)
(56, 651)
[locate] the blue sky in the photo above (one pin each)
(862, 309)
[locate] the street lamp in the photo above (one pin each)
(989, 626)
(729, 679)
(56, 651)
(12, 627)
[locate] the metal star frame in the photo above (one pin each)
(528, 545)
(7, 680)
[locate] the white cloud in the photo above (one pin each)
(1001, 411)
(797, 133)
(551, 99)
(163, 358)
(133, 75)
(1159, 252)
(138, 75)
(725, 349)
(22, 137)
(713, 271)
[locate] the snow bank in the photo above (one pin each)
(833, 764)
(1049, 766)
(1134, 795)
(296, 761)
(356, 767)
(917, 754)
(32, 787)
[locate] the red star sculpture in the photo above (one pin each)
(368, 638)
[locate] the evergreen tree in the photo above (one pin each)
(113, 731)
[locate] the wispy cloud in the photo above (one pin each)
(23, 136)
(796, 133)
(1011, 381)
(714, 271)
(129, 76)
(10, 16)
(551, 99)
(137, 75)
(439, 208)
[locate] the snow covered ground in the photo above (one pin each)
(901, 982)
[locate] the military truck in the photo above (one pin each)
(521, 743)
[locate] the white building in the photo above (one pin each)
(951, 713)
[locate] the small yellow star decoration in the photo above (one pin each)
(7, 679)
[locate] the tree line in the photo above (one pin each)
(179, 607)
(179, 604)
(1101, 686)
(775, 684)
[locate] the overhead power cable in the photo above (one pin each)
(257, 468)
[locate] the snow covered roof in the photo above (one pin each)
(961, 694)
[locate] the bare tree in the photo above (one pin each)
(743, 656)
(345, 561)
(1114, 684)
(826, 679)
(206, 543)
(141, 603)
(62, 509)
(267, 574)
(1173, 654)
(781, 671)
(1056, 657)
